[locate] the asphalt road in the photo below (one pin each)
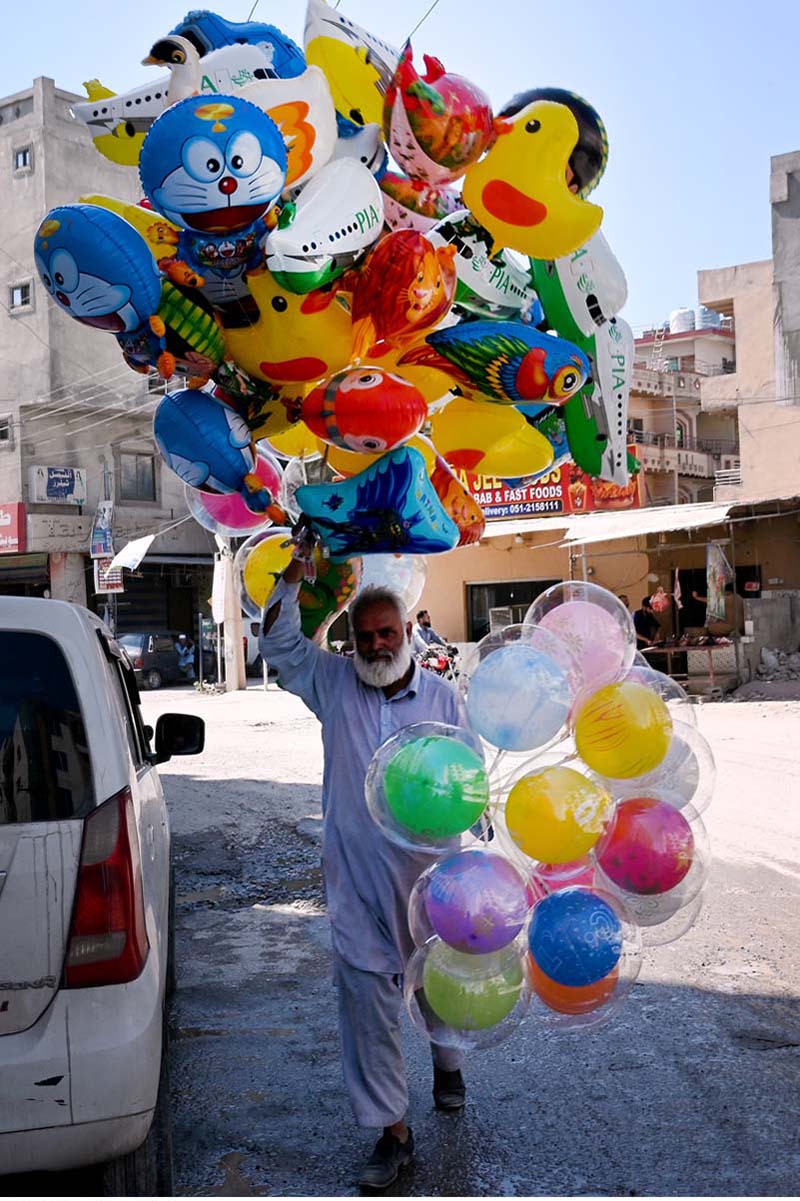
(692, 1090)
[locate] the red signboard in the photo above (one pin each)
(565, 489)
(12, 529)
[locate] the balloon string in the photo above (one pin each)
(421, 20)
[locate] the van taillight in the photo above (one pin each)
(138, 661)
(108, 940)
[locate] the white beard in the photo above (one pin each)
(383, 672)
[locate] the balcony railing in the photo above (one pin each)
(709, 446)
(731, 478)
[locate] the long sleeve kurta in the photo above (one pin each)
(368, 879)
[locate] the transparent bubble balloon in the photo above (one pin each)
(585, 955)
(226, 513)
(427, 785)
(654, 857)
(475, 901)
(671, 925)
(258, 565)
(466, 1001)
(557, 814)
(522, 690)
(680, 704)
(686, 776)
(554, 876)
(404, 574)
(622, 730)
(595, 625)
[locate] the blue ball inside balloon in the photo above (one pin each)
(575, 937)
(519, 698)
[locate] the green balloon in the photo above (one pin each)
(436, 787)
(471, 992)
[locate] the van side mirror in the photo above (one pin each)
(179, 734)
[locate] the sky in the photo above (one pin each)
(695, 98)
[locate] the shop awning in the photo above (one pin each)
(525, 525)
(608, 527)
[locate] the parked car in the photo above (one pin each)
(86, 909)
(154, 658)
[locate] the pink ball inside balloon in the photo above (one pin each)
(597, 641)
(228, 508)
(476, 902)
(650, 847)
(566, 875)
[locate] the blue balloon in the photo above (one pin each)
(97, 268)
(391, 507)
(210, 32)
(519, 698)
(209, 446)
(575, 937)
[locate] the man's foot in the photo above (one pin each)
(389, 1157)
(449, 1090)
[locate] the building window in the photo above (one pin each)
(23, 158)
(137, 477)
(5, 430)
(19, 296)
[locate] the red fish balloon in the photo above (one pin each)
(365, 409)
(404, 289)
(436, 125)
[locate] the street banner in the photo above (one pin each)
(718, 574)
(101, 545)
(13, 528)
(132, 553)
(106, 577)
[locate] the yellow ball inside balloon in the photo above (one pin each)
(556, 814)
(264, 566)
(623, 731)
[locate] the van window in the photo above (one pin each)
(45, 770)
(164, 644)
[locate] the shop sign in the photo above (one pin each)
(565, 489)
(13, 529)
(57, 485)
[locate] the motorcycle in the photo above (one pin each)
(441, 660)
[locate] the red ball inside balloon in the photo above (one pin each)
(649, 848)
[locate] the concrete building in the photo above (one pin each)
(75, 422)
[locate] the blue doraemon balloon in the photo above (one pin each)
(215, 167)
(97, 268)
(208, 445)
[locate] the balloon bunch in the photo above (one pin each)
(580, 845)
(404, 329)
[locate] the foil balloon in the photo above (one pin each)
(521, 191)
(99, 270)
(392, 506)
(507, 361)
(208, 32)
(403, 289)
(295, 443)
(215, 168)
(414, 204)
(328, 594)
(337, 215)
(597, 419)
(358, 66)
(490, 282)
(349, 462)
(365, 409)
(226, 513)
(436, 125)
(303, 111)
(581, 290)
(208, 445)
(458, 504)
(296, 341)
(269, 409)
(364, 143)
(489, 439)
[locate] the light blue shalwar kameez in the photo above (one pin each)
(367, 878)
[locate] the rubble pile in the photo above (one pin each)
(778, 665)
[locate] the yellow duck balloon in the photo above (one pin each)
(528, 190)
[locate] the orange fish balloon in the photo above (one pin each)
(462, 508)
(365, 409)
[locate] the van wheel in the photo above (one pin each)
(147, 1171)
(153, 679)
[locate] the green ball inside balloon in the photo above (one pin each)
(471, 992)
(436, 787)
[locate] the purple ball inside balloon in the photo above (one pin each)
(476, 902)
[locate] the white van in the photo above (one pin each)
(85, 903)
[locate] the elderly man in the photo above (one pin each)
(361, 701)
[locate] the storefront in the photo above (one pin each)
(163, 593)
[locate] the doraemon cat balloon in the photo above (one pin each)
(100, 271)
(209, 446)
(97, 268)
(215, 168)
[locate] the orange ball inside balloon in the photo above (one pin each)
(573, 1000)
